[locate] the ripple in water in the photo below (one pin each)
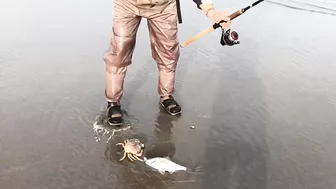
(101, 130)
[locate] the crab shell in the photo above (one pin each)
(133, 146)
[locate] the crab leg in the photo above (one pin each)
(138, 158)
(130, 157)
(123, 156)
(120, 144)
(133, 157)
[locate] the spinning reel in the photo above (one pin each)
(229, 38)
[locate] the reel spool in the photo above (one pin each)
(229, 38)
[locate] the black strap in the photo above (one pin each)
(168, 102)
(179, 14)
(114, 109)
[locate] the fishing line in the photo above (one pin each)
(229, 35)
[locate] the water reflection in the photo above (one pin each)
(285, 96)
(162, 146)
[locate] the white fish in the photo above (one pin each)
(164, 165)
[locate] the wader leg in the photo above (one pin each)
(165, 51)
(165, 47)
(123, 38)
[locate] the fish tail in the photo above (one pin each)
(196, 170)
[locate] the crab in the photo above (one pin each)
(133, 148)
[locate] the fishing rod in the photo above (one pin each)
(228, 38)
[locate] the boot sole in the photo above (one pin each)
(174, 114)
(115, 124)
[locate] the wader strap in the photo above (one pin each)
(179, 15)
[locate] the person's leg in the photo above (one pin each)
(165, 51)
(125, 25)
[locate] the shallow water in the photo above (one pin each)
(263, 111)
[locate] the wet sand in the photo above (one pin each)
(263, 111)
